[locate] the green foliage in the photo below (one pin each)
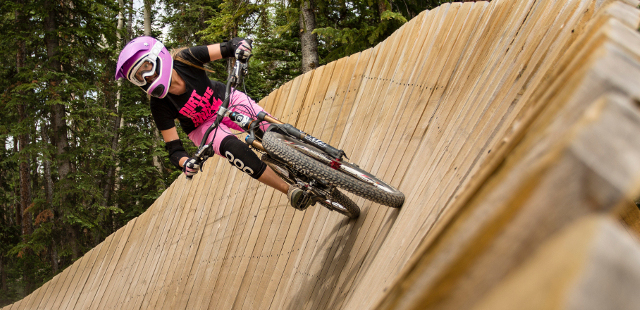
(112, 177)
(349, 27)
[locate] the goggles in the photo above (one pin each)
(139, 71)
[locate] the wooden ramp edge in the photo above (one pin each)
(511, 126)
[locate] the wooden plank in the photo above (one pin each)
(437, 115)
(236, 214)
(93, 273)
(468, 14)
(292, 114)
(185, 248)
(268, 102)
(295, 236)
(280, 102)
(54, 301)
(215, 240)
(287, 103)
(194, 261)
(296, 95)
(115, 259)
(323, 102)
(337, 222)
(122, 273)
(277, 243)
(226, 289)
(313, 104)
(80, 278)
(148, 282)
(349, 94)
(266, 247)
(158, 213)
(286, 257)
(248, 278)
(151, 218)
(573, 55)
(100, 269)
(406, 35)
(252, 252)
(355, 244)
(49, 299)
(604, 116)
(575, 268)
(457, 14)
(485, 102)
(186, 209)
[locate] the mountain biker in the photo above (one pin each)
(180, 88)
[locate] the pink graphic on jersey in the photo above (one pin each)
(199, 109)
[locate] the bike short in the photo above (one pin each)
(240, 102)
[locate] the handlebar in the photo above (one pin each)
(235, 78)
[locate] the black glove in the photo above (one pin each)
(239, 48)
(190, 167)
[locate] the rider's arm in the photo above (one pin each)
(228, 49)
(214, 51)
(177, 154)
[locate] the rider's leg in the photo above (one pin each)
(239, 155)
(269, 177)
(240, 102)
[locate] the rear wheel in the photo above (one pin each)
(315, 163)
(340, 203)
(336, 201)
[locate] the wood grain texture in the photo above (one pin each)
(507, 124)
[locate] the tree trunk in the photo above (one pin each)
(308, 40)
(383, 5)
(25, 176)
(147, 17)
(3, 276)
(48, 188)
(60, 138)
(147, 32)
(58, 117)
(115, 142)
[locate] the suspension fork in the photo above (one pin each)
(252, 127)
(295, 132)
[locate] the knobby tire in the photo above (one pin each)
(284, 147)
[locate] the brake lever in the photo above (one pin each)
(202, 154)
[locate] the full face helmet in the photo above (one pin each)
(146, 63)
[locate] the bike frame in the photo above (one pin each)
(250, 124)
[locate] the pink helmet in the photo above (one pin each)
(132, 60)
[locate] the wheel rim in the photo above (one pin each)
(344, 167)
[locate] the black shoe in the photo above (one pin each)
(298, 198)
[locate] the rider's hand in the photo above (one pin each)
(190, 167)
(239, 48)
(243, 49)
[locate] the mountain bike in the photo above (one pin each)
(300, 159)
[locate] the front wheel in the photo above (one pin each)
(313, 162)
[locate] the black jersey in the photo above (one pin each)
(198, 103)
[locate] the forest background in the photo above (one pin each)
(80, 155)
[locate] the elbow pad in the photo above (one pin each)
(176, 152)
(227, 50)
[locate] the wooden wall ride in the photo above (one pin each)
(512, 127)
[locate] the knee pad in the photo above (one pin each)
(241, 156)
